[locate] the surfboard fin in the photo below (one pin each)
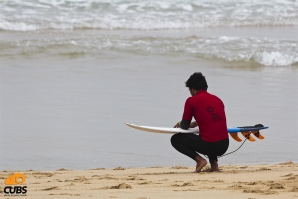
(235, 137)
(247, 136)
(258, 135)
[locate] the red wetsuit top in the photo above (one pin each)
(208, 111)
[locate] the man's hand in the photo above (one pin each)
(177, 125)
(193, 124)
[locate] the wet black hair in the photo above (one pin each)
(197, 81)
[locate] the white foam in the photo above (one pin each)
(224, 39)
(146, 14)
(17, 26)
(276, 58)
(267, 52)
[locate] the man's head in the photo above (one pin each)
(196, 82)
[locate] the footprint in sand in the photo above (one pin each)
(98, 169)
(263, 169)
(235, 186)
(121, 186)
(40, 175)
(179, 167)
(143, 183)
(288, 175)
(71, 184)
(251, 183)
(119, 168)
(65, 194)
(293, 178)
(78, 179)
(217, 181)
(107, 178)
(295, 189)
(164, 179)
(134, 178)
(258, 191)
(276, 186)
(51, 188)
(183, 185)
(62, 169)
(286, 163)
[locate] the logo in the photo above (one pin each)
(210, 109)
(214, 115)
(16, 179)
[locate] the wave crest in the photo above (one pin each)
(144, 14)
(264, 51)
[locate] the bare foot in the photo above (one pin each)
(200, 164)
(214, 166)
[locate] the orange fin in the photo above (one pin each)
(248, 136)
(235, 137)
(258, 135)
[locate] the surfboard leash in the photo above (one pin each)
(232, 151)
(257, 125)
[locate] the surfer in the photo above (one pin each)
(208, 112)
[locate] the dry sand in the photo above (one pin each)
(249, 182)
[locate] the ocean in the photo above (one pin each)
(73, 71)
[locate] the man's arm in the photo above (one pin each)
(184, 124)
(187, 116)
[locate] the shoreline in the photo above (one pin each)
(153, 166)
(235, 181)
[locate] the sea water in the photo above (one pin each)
(72, 72)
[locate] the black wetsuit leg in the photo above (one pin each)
(190, 144)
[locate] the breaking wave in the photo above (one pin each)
(267, 52)
(30, 15)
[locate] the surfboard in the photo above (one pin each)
(246, 131)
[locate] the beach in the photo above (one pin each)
(232, 181)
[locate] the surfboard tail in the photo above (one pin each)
(247, 132)
(247, 135)
(258, 135)
(235, 137)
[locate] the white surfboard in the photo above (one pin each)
(246, 131)
(163, 129)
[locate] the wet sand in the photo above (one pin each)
(256, 181)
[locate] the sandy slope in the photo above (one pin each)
(249, 182)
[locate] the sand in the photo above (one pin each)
(249, 182)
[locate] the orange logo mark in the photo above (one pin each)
(17, 178)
